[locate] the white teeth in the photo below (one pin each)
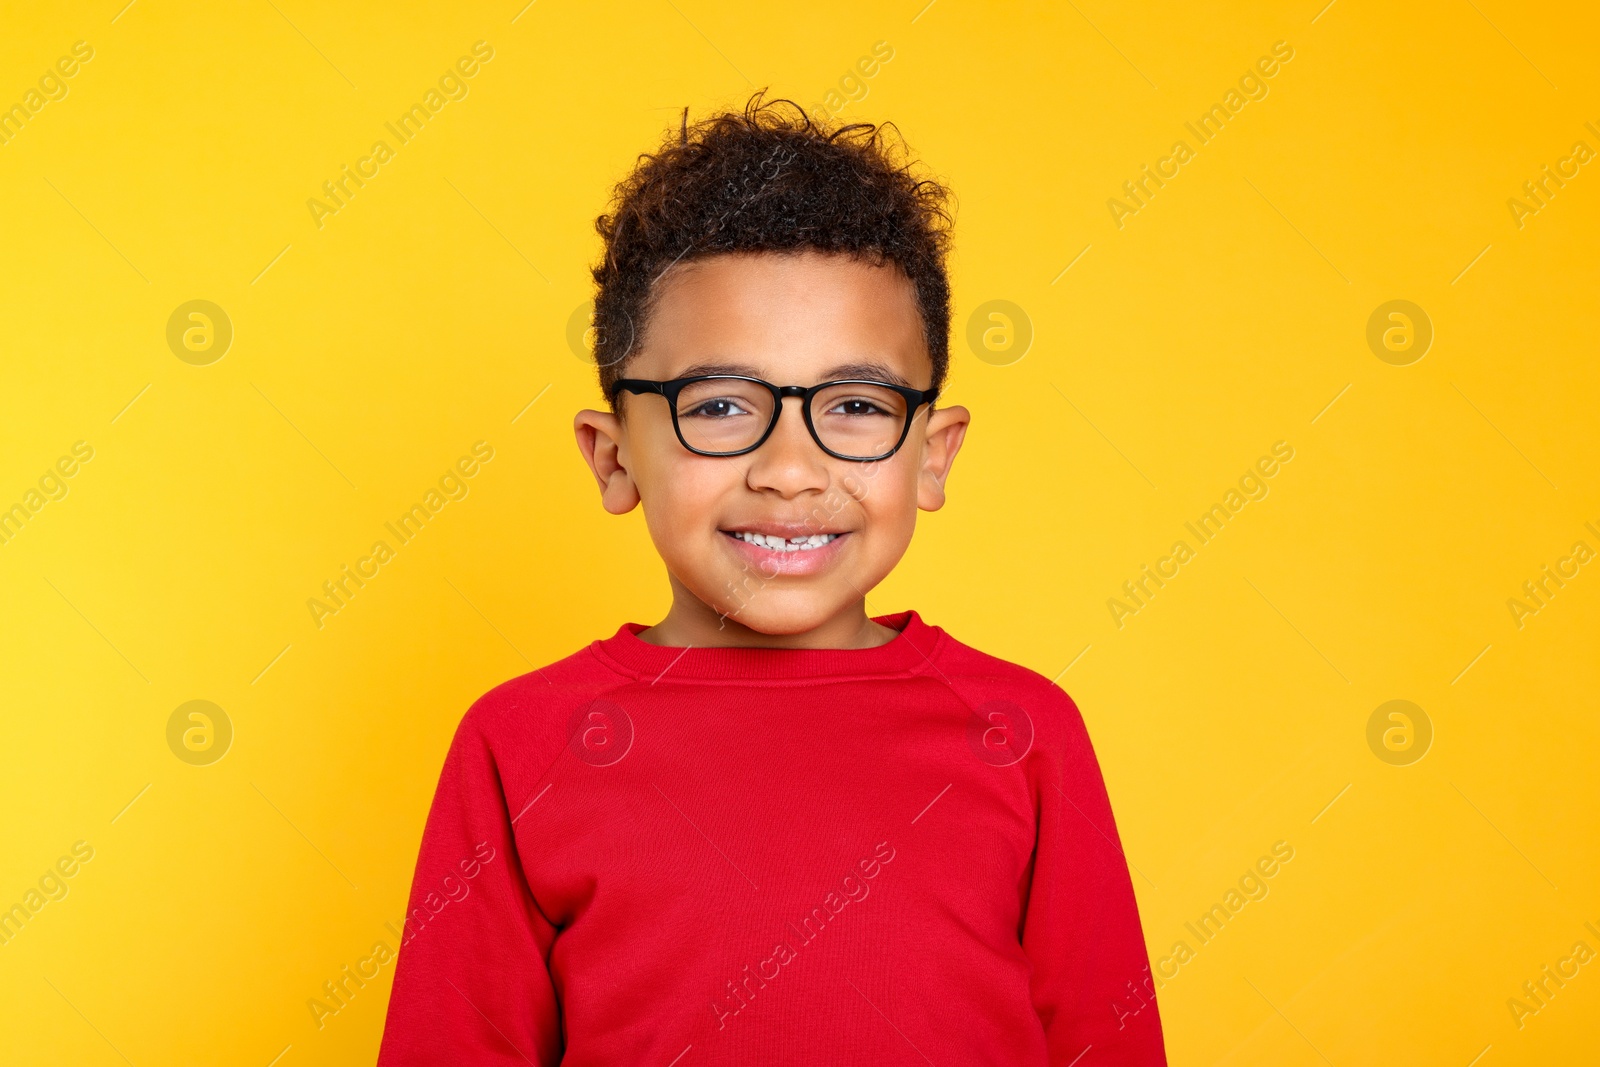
(778, 544)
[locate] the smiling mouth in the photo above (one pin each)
(781, 544)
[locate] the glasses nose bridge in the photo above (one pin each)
(781, 393)
(791, 460)
(784, 392)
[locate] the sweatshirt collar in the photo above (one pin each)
(908, 653)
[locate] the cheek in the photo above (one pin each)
(678, 491)
(653, 457)
(682, 495)
(887, 495)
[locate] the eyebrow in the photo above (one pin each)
(870, 370)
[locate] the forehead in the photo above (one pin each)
(789, 317)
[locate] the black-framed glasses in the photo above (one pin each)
(729, 414)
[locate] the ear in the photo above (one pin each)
(600, 439)
(947, 428)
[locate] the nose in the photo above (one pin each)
(788, 462)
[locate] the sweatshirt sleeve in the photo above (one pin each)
(472, 983)
(1091, 980)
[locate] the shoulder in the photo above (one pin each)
(991, 672)
(537, 705)
(983, 680)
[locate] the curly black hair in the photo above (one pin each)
(769, 178)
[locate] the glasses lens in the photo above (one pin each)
(858, 419)
(723, 414)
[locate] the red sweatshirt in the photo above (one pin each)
(652, 855)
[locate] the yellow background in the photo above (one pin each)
(1224, 316)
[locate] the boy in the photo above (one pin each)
(771, 829)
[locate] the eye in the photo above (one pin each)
(855, 405)
(716, 408)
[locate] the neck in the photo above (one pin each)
(691, 622)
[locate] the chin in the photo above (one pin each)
(780, 615)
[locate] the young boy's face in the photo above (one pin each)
(791, 319)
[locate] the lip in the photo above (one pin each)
(785, 530)
(772, 562)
